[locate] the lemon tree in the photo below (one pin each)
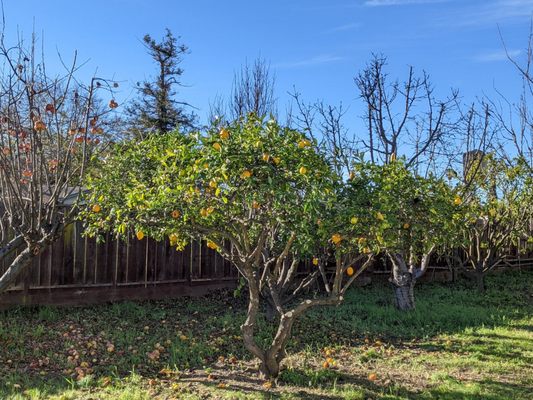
(498, 210)
(255, 191)
(403, 215)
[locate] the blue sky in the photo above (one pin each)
(315, 46)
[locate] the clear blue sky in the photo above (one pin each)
(316, 46)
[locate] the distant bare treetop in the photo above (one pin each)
(252, 92)
(404, 118)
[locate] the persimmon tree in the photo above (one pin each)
(257, 192)
(50, 129)
(410, 218)
(498, 212)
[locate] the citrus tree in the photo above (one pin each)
(255, 191)
(50, 129)
(408, 217)
(498, 213)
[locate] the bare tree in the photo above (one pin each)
(516, 117)
(252, 92)
(325, 124)
(50, 129)
(404, 118)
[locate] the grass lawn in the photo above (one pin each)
(458, 344)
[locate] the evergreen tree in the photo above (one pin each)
(156, 110)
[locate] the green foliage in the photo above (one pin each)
(226, 185)
(388, 207)
(498, 207)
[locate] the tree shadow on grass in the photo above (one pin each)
(441, 309)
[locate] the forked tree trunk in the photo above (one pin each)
(480, 281)
(404, 292)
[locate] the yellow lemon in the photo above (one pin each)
(315, 261)
(457, 201)
(349, 271)
(217, 146)
(212, 245)
(276, 160)
(303, 170)
(246, 174)
(354, 220)
(336, 238)
(304, 143)
(266, 157)
(224, 134)
(213, 184)
(140, 235)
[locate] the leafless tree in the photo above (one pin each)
(325, 124)
(50, 129)
(404, 118)
(252, 92)
(515, 116)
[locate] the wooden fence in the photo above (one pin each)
(78, 270)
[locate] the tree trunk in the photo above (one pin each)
(269, 368)
(480, 280)
(404, 292)
(18, 266)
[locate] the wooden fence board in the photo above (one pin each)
(88, 271)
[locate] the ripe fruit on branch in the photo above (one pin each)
(246, 174)
(350, 271)
(304, 143)
(140, 235)
(217, 146)
(39, 126)
(303, 170)
(175, 214)
(96, 208)
(212, 245)
(336, 238)
(224, 134)
(315, 261)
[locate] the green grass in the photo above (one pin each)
(457, 344)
